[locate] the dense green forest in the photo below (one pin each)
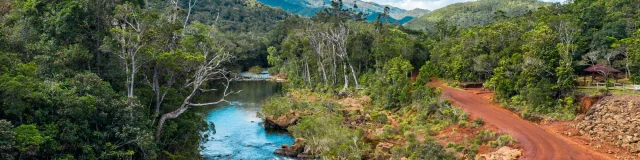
(531, 61)
(478, 13)
(102, 79)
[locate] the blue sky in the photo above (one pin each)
(426, 4)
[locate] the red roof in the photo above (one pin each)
(601, 68)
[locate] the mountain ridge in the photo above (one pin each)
(474, 13)
(308, 8)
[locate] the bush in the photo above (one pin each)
(478, 122)
(326, 136)
(392, 88)
(428, 150)
(255, 69)
(505, 140)
(463, 123)
(277, 106)
(379, 117)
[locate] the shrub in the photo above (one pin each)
(504, 140)
(478, 122)
(392, 88)
(379, 117)
(255, 69)
(463, 123)
(326, 136)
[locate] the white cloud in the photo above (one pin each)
(425, 4)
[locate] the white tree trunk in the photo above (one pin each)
(346, 77)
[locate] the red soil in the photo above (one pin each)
(535, 141)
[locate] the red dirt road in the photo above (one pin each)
(537, 143)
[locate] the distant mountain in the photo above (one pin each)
(481, 12)
(238, 15)
(308, 8)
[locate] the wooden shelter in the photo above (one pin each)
(600, 69)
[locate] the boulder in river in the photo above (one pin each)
(293, 150)
(282, 122)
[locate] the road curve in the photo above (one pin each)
(537, 143)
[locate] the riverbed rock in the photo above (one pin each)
(504, 153)
(283, 121)
(615, 120)
(293, 150)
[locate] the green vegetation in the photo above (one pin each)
(255, 69)
(91, 79)
(329, 138)
(477, 13)
(532, 61)
(85, 79)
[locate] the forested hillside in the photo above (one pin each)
(531, 61)
(244, 26)
(102, 79)
(477, 13)
(308, 8)
(99, 79)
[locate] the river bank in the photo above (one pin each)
(239, 131)
(326, 124)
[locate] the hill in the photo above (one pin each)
(308, 8)
(238, 15)
(476, 13)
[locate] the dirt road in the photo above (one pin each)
(536, 142)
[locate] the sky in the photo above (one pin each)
(425, 4)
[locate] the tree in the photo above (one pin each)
(128, 41)
(199, 45)
(392, 90)
(7, 140)
(28, 140)
(633, 58)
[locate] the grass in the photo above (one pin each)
(592, 91)
(614, 90)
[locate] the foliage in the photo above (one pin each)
(391, 90)
(7, 140)
(478, 122)
(478, 13)
(416, 150)
(255, 70)
(331, 139)
(28, 139)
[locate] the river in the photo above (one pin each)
(239, 131)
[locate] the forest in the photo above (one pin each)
(531, 61)
(104, 79)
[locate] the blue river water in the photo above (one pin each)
(239, 131)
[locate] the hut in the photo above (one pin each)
(600, 69)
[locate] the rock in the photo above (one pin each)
(293, 150)
(304, 156)
(613, 120)
(384, 147)
(282, 122)
(504, 153)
